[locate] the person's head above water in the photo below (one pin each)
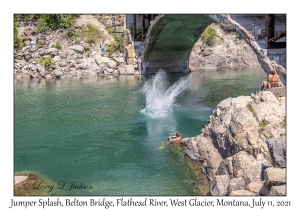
(177, 134)
(272, 71)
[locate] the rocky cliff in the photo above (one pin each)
(243, 148)
(225, 50)
(74, 56)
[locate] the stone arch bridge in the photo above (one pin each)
(171, 37)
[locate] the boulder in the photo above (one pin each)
(18, 56)
(33, 38)
(277, 147)
(275, 177)
(92, 73)
(242, 193)
(270, 114)
(236, 184)
(219, 185)
(27, 57)
(86, 46)
(41, 52)
(79, 55)
(48, 76)
(101, 60)
(63, 63)
(50, 50)
(278, 190)
(109, 71)
(77, 48)
(255, 187)
(54, 53)
(64, 54)
(56, 58)
(112, 64)
(191, 149)
(40, 68)
(33, 48)
(116, 72)
(27, 43)
(71, 52)
(26, 48)
(28, 31)
(243, 165)
(129, 69)
(19, 179)
(122, 69)
(83, 66)
(58, 73)
(41, 42)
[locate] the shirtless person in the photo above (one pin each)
(174, 139)
(273, 80)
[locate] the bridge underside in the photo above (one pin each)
(170, 40)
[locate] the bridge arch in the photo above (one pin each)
(171, 37)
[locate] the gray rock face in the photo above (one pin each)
(242, 193)
(255, 187)
(278, 190)
(245, 124)
(243, 165)
(112, 64)
(77, 48)
(227, 51)
(33, 48)
(69, 60)
(275, 177)
(236, 184)
(129, 69)
(277, 147)
(101, 60)
(50, 50)
(58, 73)
(219, 185)
(234, 143)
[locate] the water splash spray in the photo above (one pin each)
(159, 97)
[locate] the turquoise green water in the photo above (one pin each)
(93, 132)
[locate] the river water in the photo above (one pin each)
(108, 134)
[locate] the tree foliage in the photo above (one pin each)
(45, 61)
(18, 40)
(209, 35)
(117, 45)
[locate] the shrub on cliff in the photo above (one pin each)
(209, 35)
(45, 61)
(90, 33)
(54, 21)
(18, 40)
(117, 45)
(57, 45)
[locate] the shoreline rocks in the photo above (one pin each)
(243, 146)
(80, 59)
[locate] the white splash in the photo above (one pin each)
(159, 97)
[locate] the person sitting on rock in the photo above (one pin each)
(174, 139)
(273, 81)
